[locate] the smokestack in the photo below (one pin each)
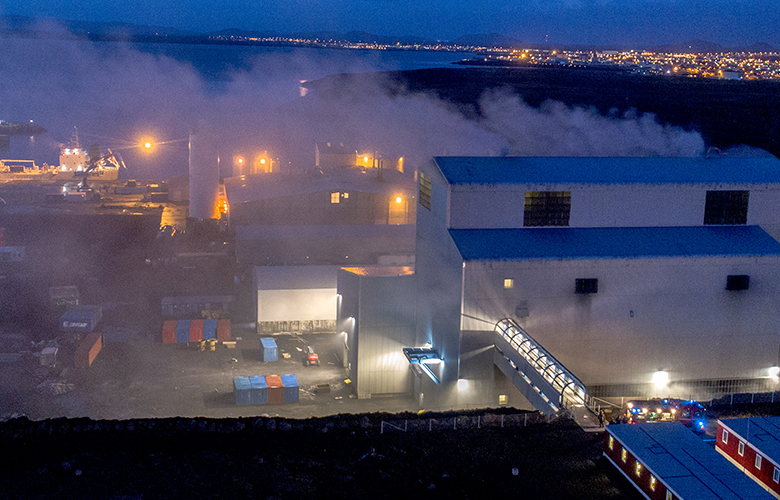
(204, 174)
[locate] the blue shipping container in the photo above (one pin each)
(80, 318)
(290, 384)
(210, 329)
(183, 330)
(259, 390)
(242, 390)
(269, 349)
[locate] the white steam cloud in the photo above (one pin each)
(116, 95)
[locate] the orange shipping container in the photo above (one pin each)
(196, 330)
(223, 330)
(275, 388)
(169, 332)
(88, 350)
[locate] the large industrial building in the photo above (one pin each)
(299, 228)
(546, 276)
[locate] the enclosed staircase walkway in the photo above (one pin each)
(543, 380)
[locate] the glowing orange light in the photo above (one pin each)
(365, 158)
(262, 161)
(240, 161)
(148, 145)
(398, 199)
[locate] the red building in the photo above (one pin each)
(753, 445)
(667, 461)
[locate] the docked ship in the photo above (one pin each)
(23, 170)
(79, 162)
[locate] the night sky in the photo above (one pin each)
(732, 23)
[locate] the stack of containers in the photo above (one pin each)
(270, 351)
(275, 388)
(80, 318)
(169, 332)
(223, 330)
(183, 330)
(290, 384)
(242, 389)
(196, 330)
(259, 391)
(210, 329)
(88, 350)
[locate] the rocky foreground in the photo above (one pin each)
(448, 455)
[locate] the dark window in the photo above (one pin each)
(737, 282)
(726, 207)
(425, 191)
(586, 285)
(547, 208)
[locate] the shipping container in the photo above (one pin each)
(242, 390)
(87, 350)
(49, 356)
(81, 318)
(183, 330)
(270, 351)
(169, 332)
(210, 329)
(196, 330)
(275, 388)
(290, 384)
(223, 330)
(63, 296)
(259, 390)
(158, 197)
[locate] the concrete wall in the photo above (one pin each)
(670, 314)
(502, 206)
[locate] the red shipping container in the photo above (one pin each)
(275, 388)
(196, 330)
(88, 350)
(223, 330)
(169, 332)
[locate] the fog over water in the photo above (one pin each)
(118, 94)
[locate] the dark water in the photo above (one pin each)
(120, 94)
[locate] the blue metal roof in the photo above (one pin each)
(603, 170)
(567, 243)
(761, 432)
(687, 465)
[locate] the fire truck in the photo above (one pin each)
(688, 412)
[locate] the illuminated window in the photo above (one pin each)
(346, 196)
(638, 469)
(547, 208)
(425, 191)
(652, 483)
(623, 455)
(726, 207)
(725, 436)
(741, 449)
(611, 443)
(509, 283)
(668, 495)
(758, 462)
(334, 197)
(503, 399)
(776, 475)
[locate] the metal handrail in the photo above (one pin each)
(542, 360)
